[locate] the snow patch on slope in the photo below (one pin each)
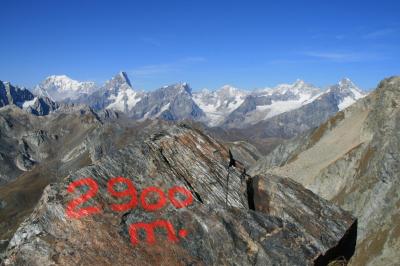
(27, 104)
(348, 93)
(220, 103)
(284, 98)
(124, 101)
(164, 108)
(60, 87)
(346, 102)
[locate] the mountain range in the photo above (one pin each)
(262, 117)
(226, 107)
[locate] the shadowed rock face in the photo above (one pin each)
(225, 223)
(43, 106)
(318, 219)
(13, 95)
(24, 99)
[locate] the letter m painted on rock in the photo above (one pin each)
(149, 228)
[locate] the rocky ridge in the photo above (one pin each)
(233, 219)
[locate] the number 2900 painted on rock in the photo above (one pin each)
(74, 211)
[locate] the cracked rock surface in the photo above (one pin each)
(234, 219)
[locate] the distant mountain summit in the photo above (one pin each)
(116, 94)
(119, 82)
(346, 93)
(24, 99)
(120, 93)
(174, 102)
(227, 107)
(61, 87)
(217, 105)
(263, 104)
(10, 94)
(299, 87)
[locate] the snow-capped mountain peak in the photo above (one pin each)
(228, 89)
(299, 83)
(293, 89)
(219, 103)
(269, 102)
(346, 93)
(124, 77)
(61, 87)
(122, 96)
(298, 87)
(119, 82)
(347, 84)
(184, 87)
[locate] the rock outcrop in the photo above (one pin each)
(10, 94)
(228, 217)
(37, 150)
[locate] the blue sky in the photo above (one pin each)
(249, 44)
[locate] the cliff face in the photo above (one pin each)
(353, 160)
(197, 197)
(13, 95)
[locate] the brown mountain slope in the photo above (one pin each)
(353, 160)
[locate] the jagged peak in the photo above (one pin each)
(120, 80)
(123, 75)
(299, 82)
(346, 82)
(180, 87)
(58, 77)
(302, 85)
(41, 92)
(299, 86)
(186, 87)
(8, 84)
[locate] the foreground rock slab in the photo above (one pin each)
(231, 219)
